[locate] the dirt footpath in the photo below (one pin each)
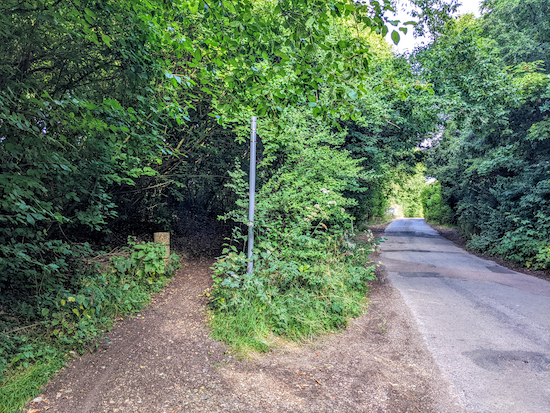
(163, 360)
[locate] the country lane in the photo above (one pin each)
(487, 327)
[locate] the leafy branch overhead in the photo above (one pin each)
(268, 53)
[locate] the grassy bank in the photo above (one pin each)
(76, 319)
(290, 298)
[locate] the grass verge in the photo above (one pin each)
(293, 300)
(25, 383)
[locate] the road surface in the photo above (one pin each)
(487, 327)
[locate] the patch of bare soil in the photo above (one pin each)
(454, 236)
(378, 229)
(163, 360)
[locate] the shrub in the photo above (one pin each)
(315, 289)
(309, 277)
(435, 210)
(75, 318)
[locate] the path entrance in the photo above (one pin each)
(164, 361)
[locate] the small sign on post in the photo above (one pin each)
(252, 194)
(164, 239)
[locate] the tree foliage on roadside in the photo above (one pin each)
(434, 208)
(317, 177)
(493, 158)
(520, 28)
(96, 97)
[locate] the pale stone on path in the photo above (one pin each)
(164, 239)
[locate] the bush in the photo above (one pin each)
(309, 277)
(521, 240)
(433, 207)
(74, 319)
(316, 290)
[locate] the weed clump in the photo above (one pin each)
(310, 275)
(292, 298)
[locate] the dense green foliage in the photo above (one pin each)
(101, 120)
(520, 28)
(434, 209)
(396, 114)
(315, 182)
(73, 319)
(117, 115)
(493, 158)
(432, 15)
(127, 116)
(407, 191)
(303, 281)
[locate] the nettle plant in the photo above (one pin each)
(75, 318)
(121, 288)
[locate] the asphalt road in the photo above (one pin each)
(487, 327)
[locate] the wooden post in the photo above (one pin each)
(164, 239)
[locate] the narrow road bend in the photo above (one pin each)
(487, 327)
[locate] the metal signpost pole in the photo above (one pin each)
(251, 202)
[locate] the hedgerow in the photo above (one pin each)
(492, 158)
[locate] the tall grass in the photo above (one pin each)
(294, 300)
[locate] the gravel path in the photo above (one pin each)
(163, 360)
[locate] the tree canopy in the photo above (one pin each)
(492, 158)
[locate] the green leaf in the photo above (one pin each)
(353, 94)
(89, 12)
(93, 38)
(395, 37)
(229, 6)
(106, 39)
